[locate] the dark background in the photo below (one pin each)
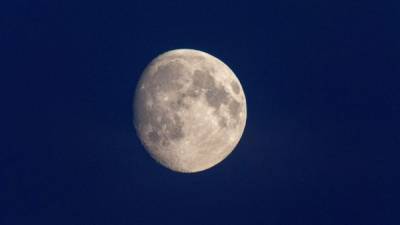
(322, 140)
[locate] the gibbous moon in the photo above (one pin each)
(189, 110)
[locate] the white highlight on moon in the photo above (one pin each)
(189, 110)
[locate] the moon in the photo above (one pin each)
(189, 110)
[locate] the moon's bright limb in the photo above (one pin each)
(189, 110)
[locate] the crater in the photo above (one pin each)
(194, 93)
(154, 137)
(180, 101)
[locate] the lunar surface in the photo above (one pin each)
(189, 110)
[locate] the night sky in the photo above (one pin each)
(321, 144)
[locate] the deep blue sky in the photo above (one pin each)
(322, 141)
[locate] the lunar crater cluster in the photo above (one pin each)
(189, 110)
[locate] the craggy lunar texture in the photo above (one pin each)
(189, 110)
